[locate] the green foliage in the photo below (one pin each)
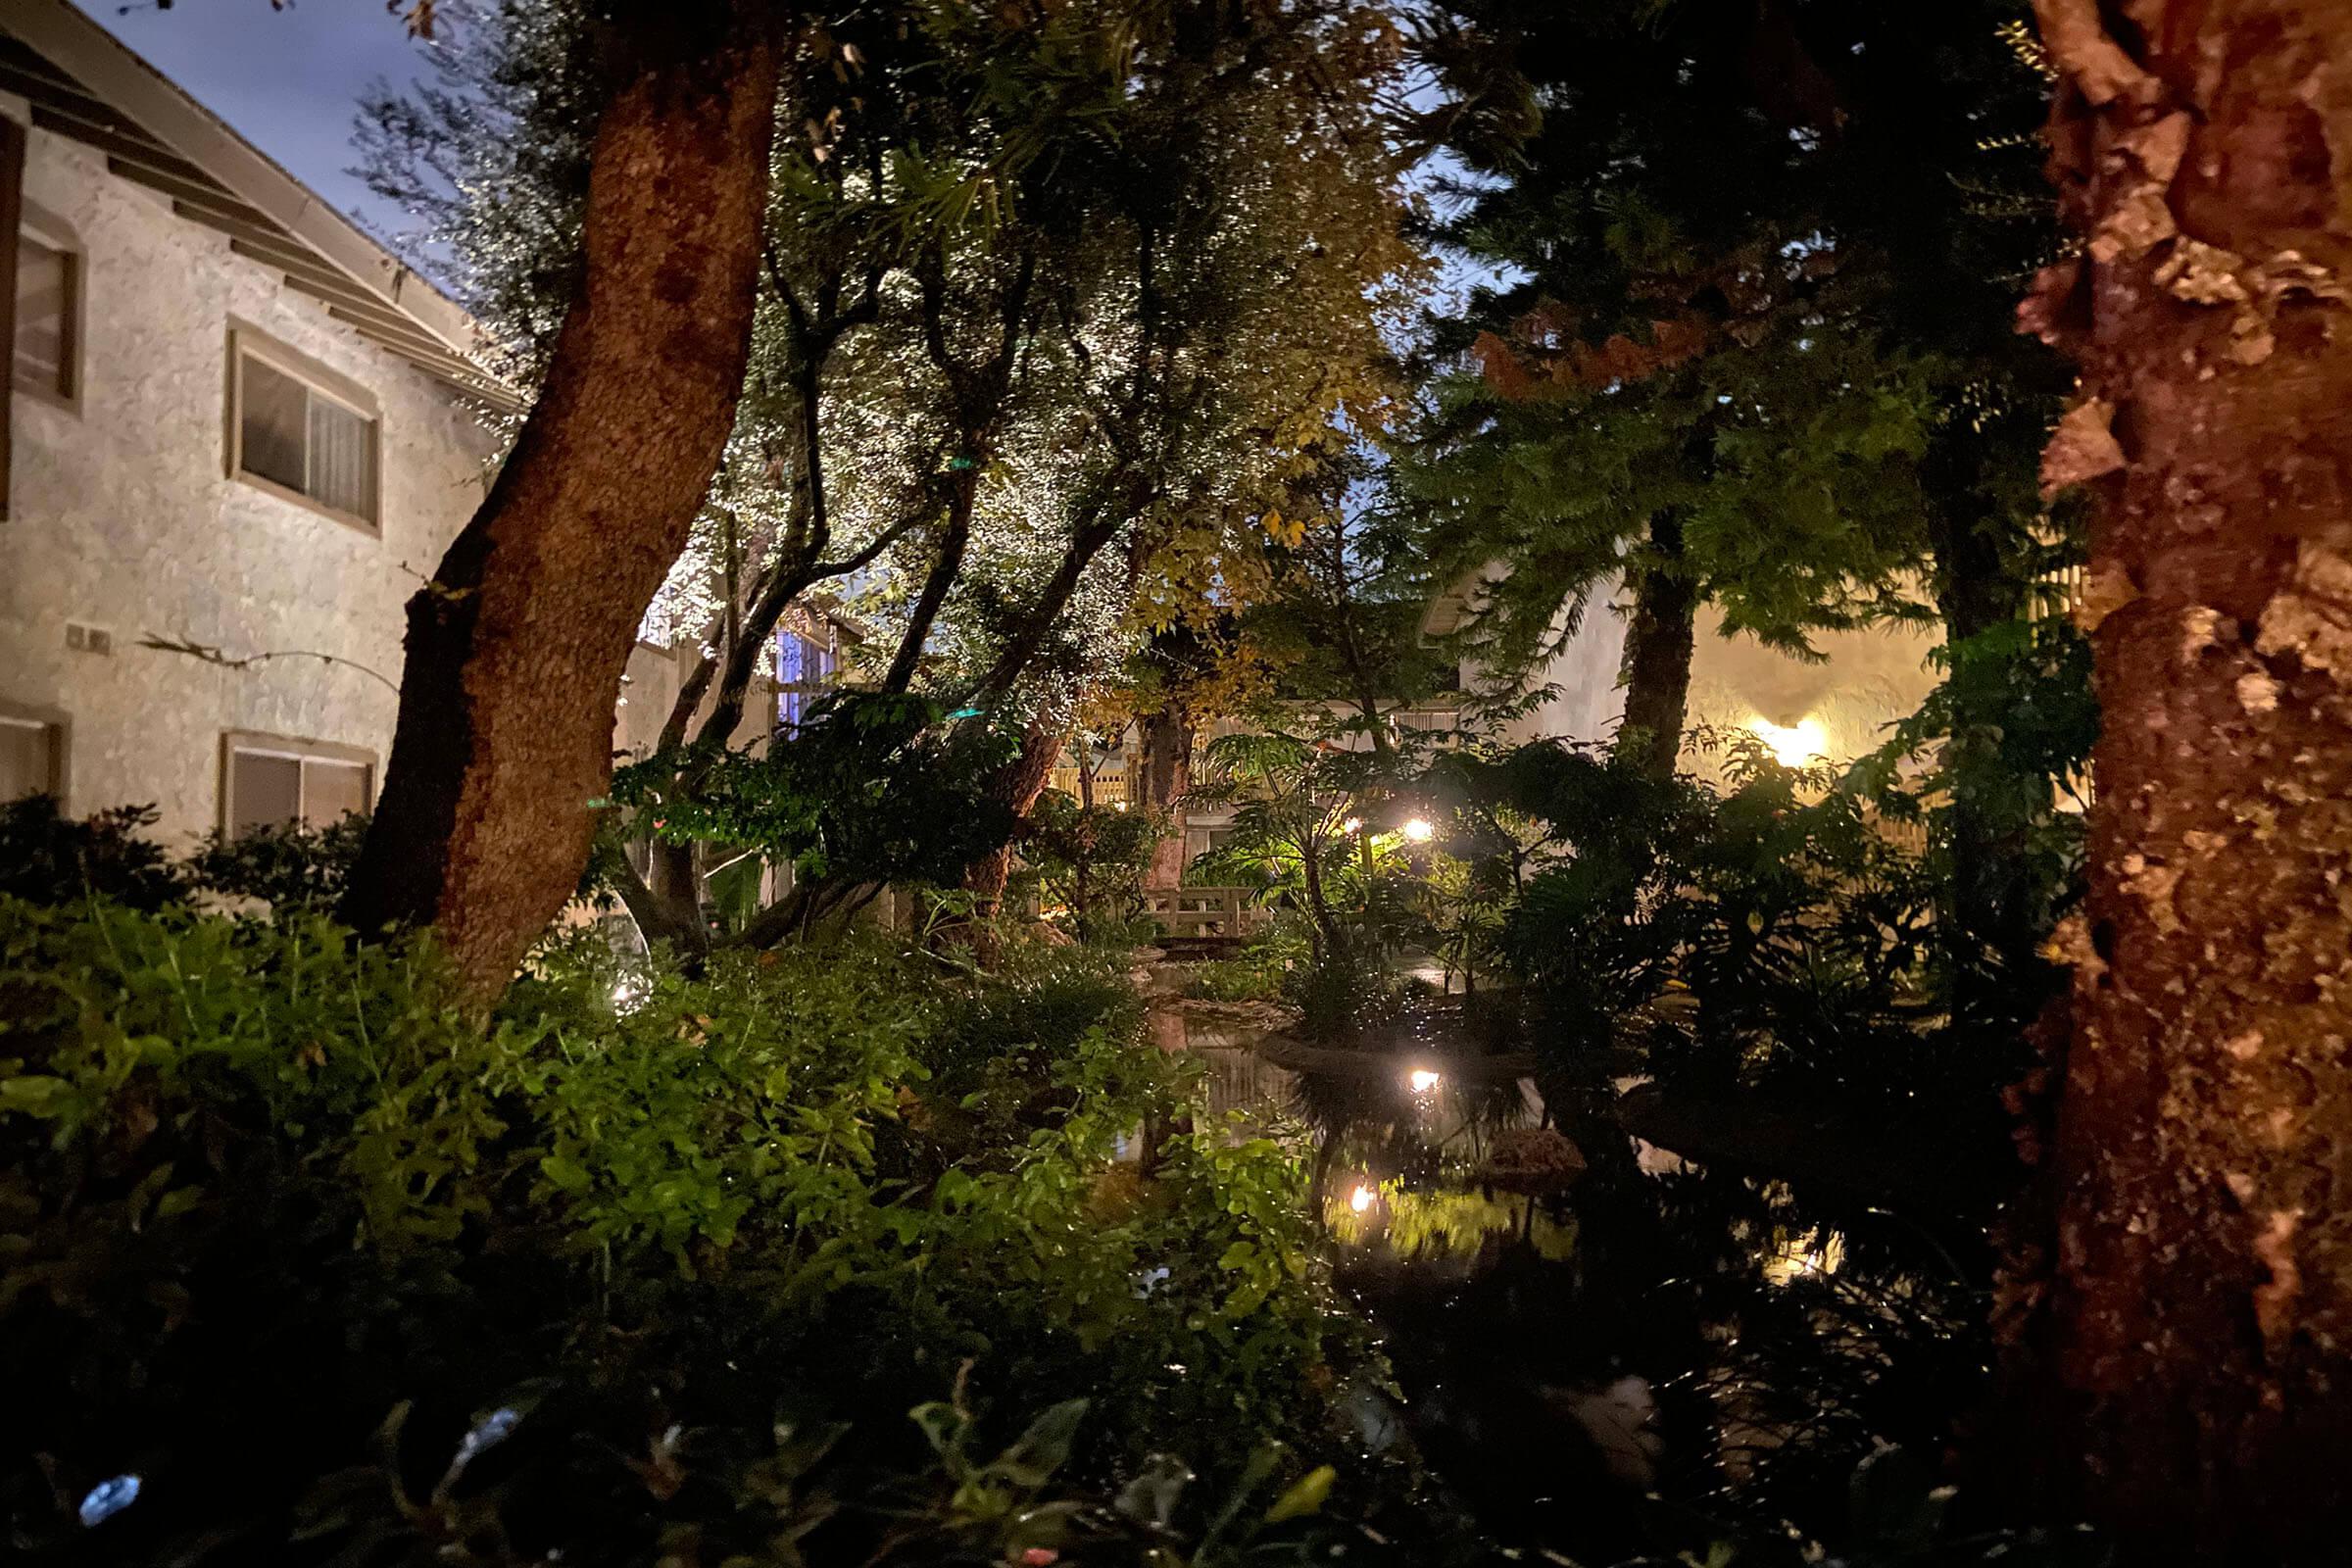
(1751, 323)
(798, 1498)
(46, 857)
(1091, 859)
(237, 1152)
(292, 866)
(1777, 934)
(871, 789)
(1291, 836)
(1256, 973)
(2004, 738)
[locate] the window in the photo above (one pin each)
(804, 668)
(48, 347)
(32, 753)
(298, 430)
(277, 783)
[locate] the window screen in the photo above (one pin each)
(27, 759)
(333, 791)
(279, 788)
(44, 350)
(293, 435)
(265, 790)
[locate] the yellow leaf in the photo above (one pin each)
(1304, 1497)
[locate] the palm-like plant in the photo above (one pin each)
(1291, 804)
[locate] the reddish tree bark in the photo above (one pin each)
(2194, 1334)
(515, 649)
(1018, 784)
(1162, 776)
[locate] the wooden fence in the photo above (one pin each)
(1191, 912)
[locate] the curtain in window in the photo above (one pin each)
(342, 459)
(792, 661)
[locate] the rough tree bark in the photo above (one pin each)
(1161, 777)
(2196, 1330)
(516, 647)
(1658, 642)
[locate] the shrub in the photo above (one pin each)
(48, 858)
(289, 866)
(259, 1187)
(1256, 973)
(1091, 861)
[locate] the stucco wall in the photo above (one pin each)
(649, 690)
(1863, 681)
(124, 516)
(1585, 703)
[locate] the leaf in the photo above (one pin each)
(34, 1094)
(566, 1174)
(943, 1427)
(1040, 1451)
(1303, 1497)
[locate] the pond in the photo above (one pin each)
(1601, 1348)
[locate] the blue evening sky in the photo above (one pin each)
(289, 81)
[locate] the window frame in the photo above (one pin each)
(60, 726)
(258, 743)
(53, 232)
(245, 340)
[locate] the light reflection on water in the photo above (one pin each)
(1752, 1332)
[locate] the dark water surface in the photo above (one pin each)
(1600, 1347)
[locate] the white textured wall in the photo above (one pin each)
(1585, 703)
(650, 691)
(1864, 681)
(122, 517)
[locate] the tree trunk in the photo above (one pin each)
(1161, 777)
(909, 660)
(1018, 784)
(1323, 933)
(2196, 1336)
(1658, 641)
(515, 649)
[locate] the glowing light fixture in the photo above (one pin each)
(1363, 1198)
(1354, 824)
(1422, 1080)
(1793, 745)
(1419, 830)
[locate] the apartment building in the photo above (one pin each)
(236, 426)
(234, 423)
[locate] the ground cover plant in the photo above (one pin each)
(269, 1192)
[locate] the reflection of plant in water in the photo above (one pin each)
(1419, 1224)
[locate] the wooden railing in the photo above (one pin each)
(1202, 911)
